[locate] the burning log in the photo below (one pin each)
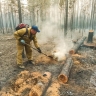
(77, 45)
(40, 88)
(63, 77)
(90, 36)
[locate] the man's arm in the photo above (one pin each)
(35, 42)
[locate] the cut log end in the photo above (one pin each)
(72, 52)
(91, 30)
(62, 78)
(48, 74)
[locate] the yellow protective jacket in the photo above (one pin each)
(27, 37)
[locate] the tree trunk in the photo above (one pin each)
(63, 77)
(19, 11)
(77, 45)
(66, 18)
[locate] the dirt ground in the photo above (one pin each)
(18, 82)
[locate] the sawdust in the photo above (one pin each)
(53, 90)
(41, 59)
(28, 84)
(38, 89)
(76, 62)
(5, 94)
(75, 58)
(78, 55)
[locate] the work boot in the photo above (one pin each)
(21, 66)
(31, 62)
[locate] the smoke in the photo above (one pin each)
(62, 47)
(51, 30)
(48, 31)
(51, 27)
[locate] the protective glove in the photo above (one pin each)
(22, 41)
(39, 50)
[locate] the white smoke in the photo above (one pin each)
(51, 30)
(62, 47)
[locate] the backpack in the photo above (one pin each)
(22, 25)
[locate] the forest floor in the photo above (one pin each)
(19, 82)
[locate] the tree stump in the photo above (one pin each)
(90, 36)
(63, 77)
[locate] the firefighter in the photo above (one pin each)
(23, 37)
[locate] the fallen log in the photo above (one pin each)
(53, 89)
(63, 77)
(90, 36)
(40, 88)
(77, 45)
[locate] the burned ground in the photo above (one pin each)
(82, 78)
